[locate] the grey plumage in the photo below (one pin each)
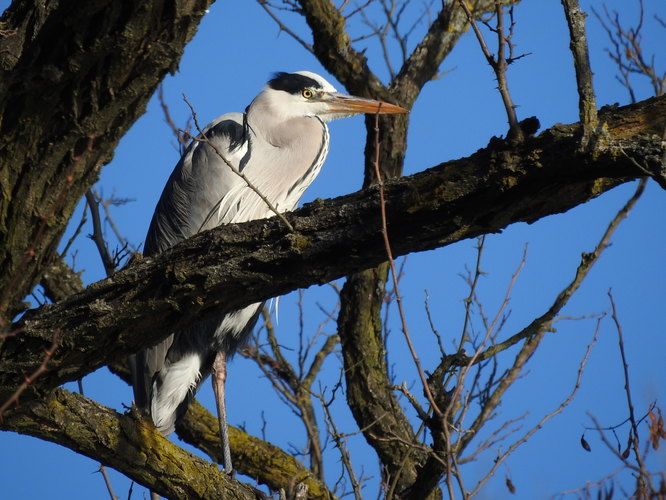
(280, 144)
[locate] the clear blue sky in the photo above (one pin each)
(235, 51)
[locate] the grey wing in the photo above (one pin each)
(198, 184)
(189, 203)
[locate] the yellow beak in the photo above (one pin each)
(344, 103)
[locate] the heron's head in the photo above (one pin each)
(305, 93)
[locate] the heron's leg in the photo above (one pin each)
(219, 378)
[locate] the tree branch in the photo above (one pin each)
(253, 457)
(254, 261)
(127, 443)
(586, 99)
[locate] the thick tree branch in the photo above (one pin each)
(333, 48)
(253, 457)
(230, 267)
(127, 443)
(424, 61)
(259, 459)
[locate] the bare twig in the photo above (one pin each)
(96, 236)
(472, 291)
(266, 6)
(202, 138)
(498, 460)
(394, 275)
(587, 261)
(498, 64)
(43, 367)
(643, 477)
(182, 135)
(539, 327)
(340, 441)
(294, 386)
(106, 204)
(627, 52)
(77, 231)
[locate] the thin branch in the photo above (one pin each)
(538, 328)
(77, 231)
(472, 291)
(586, 99)
(498, 64)
(394, 275)
(43, 367)
(107, 482)
(587, 261)
(627, 52)
(182, 135)
(633, 437)
(501, 458)
(124, 242)
(240, 174)
(97, 237)
(340, 441)
(265, 5)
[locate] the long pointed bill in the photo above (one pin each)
(344, 103)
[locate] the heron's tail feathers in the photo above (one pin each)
(174, 384)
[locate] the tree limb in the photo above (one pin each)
(127, 443)
(229, 267)
(253, 457)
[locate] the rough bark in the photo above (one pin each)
(230, 267)
(251, 456)
(128, 443)
(367, 376)
(74, 76)
(369, 392)
(254, 457)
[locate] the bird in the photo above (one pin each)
(279, 145)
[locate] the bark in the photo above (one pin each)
(74, 76)
(128, 443)
(254, 457)
(370, 392)
(251, 456)
(230, 267)
(367, 376)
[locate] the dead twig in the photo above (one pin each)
(202, 138)
(643, 478)
(500, 62)
(43, 367)
(581, 367)
(394, 275)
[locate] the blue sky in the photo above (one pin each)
(237, 48)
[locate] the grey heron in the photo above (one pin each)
(279, 143)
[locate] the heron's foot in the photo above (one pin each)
(230, 472)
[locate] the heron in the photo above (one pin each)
(279, 143)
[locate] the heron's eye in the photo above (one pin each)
(308, 93)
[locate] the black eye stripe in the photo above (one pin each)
(292, 83)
